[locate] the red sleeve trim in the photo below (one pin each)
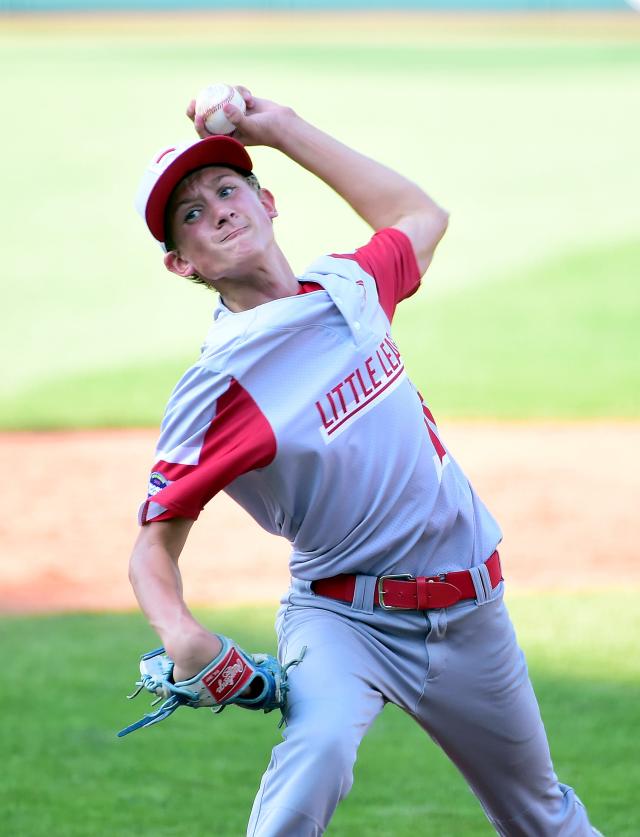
(389, 257)
(239, 439)
(309, 287)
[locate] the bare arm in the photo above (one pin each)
(157, 584)
(379, 195)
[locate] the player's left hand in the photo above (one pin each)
(233, 677)
(263, 123)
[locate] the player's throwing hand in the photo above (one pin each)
(262, 124)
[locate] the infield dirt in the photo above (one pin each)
(566, 496)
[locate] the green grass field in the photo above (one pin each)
(529, 138)
(528, 131)
(65, 773)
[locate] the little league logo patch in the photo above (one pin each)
(156, 483)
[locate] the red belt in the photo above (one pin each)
(404, 592)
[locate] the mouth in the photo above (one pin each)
(233, 234)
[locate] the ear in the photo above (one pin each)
(174, 262)
(269, 203)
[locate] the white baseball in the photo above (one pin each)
(209, 103)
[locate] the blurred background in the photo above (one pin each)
(523, 120)
(525, 126)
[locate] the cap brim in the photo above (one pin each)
(211, 151)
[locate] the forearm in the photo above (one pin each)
(157, 584)
(381, 196)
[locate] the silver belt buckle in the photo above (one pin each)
(382, 579)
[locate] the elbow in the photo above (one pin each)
(440, 222)
(432, 221)
(435, 226)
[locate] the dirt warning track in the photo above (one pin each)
(566, 496)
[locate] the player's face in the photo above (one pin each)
(221, 226)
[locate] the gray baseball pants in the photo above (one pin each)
(458, 671)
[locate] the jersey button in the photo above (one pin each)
(356, 325)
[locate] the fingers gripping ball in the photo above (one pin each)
(233, 677)
(210, 102)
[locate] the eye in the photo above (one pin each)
(192, 215)
(225, 191)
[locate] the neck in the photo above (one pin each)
(272, 280)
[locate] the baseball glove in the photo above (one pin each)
(255, 681)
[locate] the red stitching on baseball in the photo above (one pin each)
(207, 113)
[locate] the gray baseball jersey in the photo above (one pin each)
(302, 410)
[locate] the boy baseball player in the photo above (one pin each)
(300, 408)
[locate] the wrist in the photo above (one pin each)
(191, 649)
(285, 128)
(181, 635)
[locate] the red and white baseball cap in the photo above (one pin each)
(171, 165)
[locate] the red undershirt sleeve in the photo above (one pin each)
(389, 257)
(206, 442)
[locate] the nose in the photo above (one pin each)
(223, 215)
